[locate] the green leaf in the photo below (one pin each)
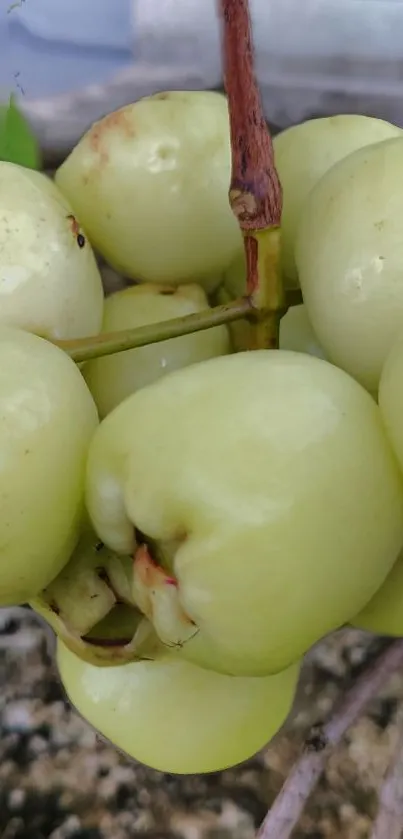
(17, 141)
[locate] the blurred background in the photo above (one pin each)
(69, 62)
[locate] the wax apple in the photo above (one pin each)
(176, 717)
(113, 378)
(47, 418)
(349, 257)
(49, 279)
(303, 153)
(391, 397)
(150, 183)
(267, 503)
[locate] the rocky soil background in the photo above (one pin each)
(59, 780)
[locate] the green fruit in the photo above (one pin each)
(265, 488)
(391, 397)
(176, 717)
(47, 419)
(383, 614)
(49, 279)
(303, 153)
(150, 184)
(113, 378)
(349, 257)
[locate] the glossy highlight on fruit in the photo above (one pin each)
(349, 257)
(150, 184)
(176, 717)
(47, 419)
(264, 487)
(49, 279)
(115, 377)
(303, 153)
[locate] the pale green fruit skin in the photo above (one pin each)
(271, 476)
(176, 717)
(114, 378)
(350, 254)
(47, 418)
(296, 333)
(390, 397)
(150, 183)
(383, 615)
(303, 153)
(49, 285)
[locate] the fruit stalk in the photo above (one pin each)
(114, 342)
(255, 192)
(289, 805)
(389, 820)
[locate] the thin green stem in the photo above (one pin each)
(106, 344)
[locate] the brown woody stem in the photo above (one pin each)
(255, 192)
(289, 805)
(389, 821)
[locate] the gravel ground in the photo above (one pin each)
(59, 780)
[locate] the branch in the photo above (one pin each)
(289, 805)
(389, 821)
(255, 193)
(83, 349)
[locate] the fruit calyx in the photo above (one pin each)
(90, 608)
(156, 593)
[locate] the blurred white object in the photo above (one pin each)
(315, 57)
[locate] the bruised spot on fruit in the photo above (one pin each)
(168, 292)
(80, 240)
(117, 121)
(74, 225)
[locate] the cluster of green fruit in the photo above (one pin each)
(230, 508)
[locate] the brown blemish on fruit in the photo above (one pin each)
(118, 121)
(75, 229)
(74, 225)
